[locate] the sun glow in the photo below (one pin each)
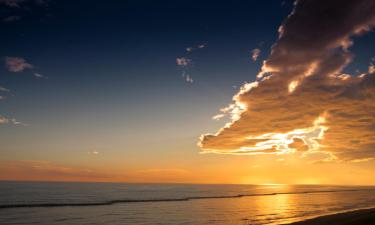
(293, 85)
(283, 143)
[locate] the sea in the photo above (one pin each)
(184, 204)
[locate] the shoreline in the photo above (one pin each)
(356, 217)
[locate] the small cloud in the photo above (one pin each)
(4, 89)
(255, 54)
(255, 166)
(3, 120)
(200, 46)
(39, 76)
(17, 64)
(189, 79)
(218, 116)
(13, 121)
(183, 61)
(93, 153)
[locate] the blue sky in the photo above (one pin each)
(102, 76)
(116, 61)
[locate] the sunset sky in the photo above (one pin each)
(253, 92)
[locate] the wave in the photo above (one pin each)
(112, 202)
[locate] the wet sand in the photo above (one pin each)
(358, 217)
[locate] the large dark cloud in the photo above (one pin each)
(302, 100)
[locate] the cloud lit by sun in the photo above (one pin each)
(302, 99)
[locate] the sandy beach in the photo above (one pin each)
(358, 217)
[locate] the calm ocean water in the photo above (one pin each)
(141, 204)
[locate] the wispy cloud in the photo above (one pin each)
(3, 89)
(363, 160)
(16, 122)
(17, 64)
(13, 121)
(255, 54)
(183, 61)
(3, 120)
(2, 97)
(218, 116)
(201, 46)
(39, 76)
(302, 101)
(197, 47)
(93, 152)
(187, 78)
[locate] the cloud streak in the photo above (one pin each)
(302, 101)
(200, 46)
(39, 76)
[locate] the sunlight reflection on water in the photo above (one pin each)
(255, 210)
